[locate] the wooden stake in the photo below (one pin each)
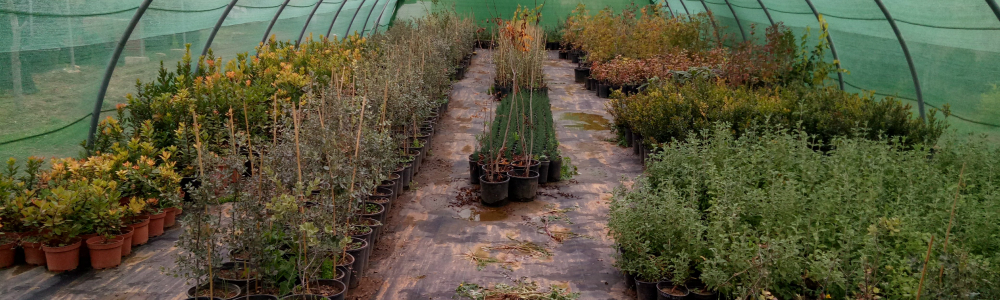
(924, 271)
(947, 232)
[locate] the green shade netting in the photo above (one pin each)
(955, 47)
(53, 54)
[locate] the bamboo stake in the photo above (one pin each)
(924, 271)
(951, 219)
(298, 156)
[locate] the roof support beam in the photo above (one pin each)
(95, 116)
(909, 59)
(833, 48)
(211, 36)
(267, 32)
(308, 19)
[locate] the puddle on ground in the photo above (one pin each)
(467, 149)
(483, 214)
(587, 121)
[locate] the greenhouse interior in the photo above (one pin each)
(500, 149)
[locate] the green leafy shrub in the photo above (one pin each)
(765, 212)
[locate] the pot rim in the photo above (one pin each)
(511, 174)
(482, 179)
(95, 243)
(66, 248)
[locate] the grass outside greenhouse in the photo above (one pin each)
(558, 151)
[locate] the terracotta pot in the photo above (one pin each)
(127, 241)
(171, 218)
(84, 252)
(105, 254)
(33, 254)
(7, 250)
(64, 258)
(156, 224)
(140, 231)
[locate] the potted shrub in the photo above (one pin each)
(105, 249)
(8, 243)
(54, 215)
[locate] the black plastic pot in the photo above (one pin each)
(533, 165)
(218, 284)
(189, 184)
(664, 286)
(418, 158)
(360, 260)
(367, 235)
(502, 91)
(473, 170)
(494, 193)
(207, 298)
(387, 187)
(303, 297)
(563, 54)
(543, 171)
(645, 290)
(629, 280)
(257, 297)
(347, 266)
(386, 204)
(376, 227)
(555, 169)
(574, 57)
(636, 144)
(581, 74)
(591, 84)
(697, 291)
(603, 90)
(523, 187)
(551, 45)
(398, 174)
(245, 285)
(627, 133)
(346, 279)
(407, 176)
(329, 282)
(378, 215)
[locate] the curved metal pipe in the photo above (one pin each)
(833, 48)
(354, 17)
(308, 19)
(378, 20)
(766, 12)
(667, 4)
(994, 7)
(368, 18)
(742, 32)
(686, 11)
(328, 31)
(909, 59)
(711, 17)
(267, 32)
(211, 36)
(95, 116)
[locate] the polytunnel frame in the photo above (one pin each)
(766, 12)
(329, 30)
(378, 21)
(351, 24)
(274, 20)
(215, 30)
(308, 20)
(364, 26)
(742, 32)
(906, 53)
(96, 115)
(833, 50)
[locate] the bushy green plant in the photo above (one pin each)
(852, 222)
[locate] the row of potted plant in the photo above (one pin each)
(91, 210)
(296, 212)
(517, 150)
(766, 216)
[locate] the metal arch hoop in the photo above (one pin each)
(267, 32)
(996, 9)
(308, 19)
(909, 59)
(378, 20)
(833, 50)
(766, 12)
(96, 115)
(711, 17)
(211, 36)
(328, 31)
(354, 17)
(742, 32)
(364, 26)
(686, 11)
(667, 4)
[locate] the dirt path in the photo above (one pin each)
(431, 231)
